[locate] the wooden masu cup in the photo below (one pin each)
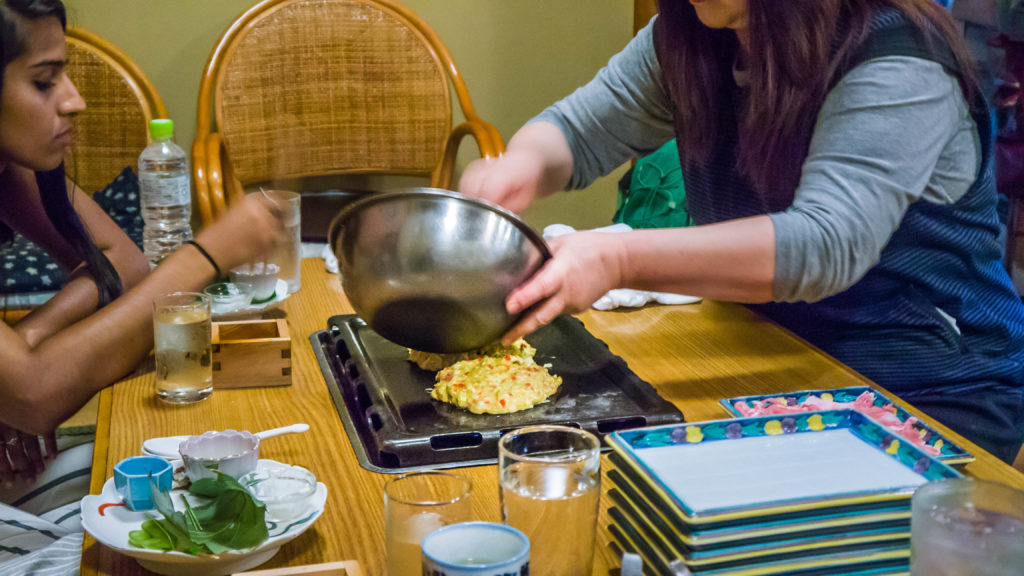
(251, 353)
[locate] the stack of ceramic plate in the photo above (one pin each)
(808, 493)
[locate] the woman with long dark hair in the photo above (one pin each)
(99, 326)
(837, 157)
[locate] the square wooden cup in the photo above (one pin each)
(251, 353)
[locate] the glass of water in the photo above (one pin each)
(415, 505)
(288, 254)
(966, 526)
(550, 478)
(181, 343)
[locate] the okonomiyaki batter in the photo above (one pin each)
(434, 362)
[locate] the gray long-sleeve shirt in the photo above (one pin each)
(893, 131)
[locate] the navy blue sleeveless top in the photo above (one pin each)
(888, 325)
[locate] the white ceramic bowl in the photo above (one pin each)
(232, 452)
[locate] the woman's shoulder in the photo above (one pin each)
(897, 82)
(892, 33)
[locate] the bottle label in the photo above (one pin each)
(159, 190)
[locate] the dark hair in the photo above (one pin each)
(799, 49)
(52, 184)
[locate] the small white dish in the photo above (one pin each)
(229, 297)
(231, 452)
(280, 295)
(109, 522)
(287, 492)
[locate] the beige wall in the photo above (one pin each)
(516, 56)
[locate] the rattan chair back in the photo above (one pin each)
(301, 88)
(120, 101)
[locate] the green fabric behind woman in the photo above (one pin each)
(651, 193)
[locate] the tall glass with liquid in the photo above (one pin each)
(415, 505)
(967, 527)
(288, 255)
(550, 479)
(181, 344)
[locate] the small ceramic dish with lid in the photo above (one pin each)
(286, 491)
(232, 452)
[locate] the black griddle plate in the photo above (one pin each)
(395, 426)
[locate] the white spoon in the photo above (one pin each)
(167, 447)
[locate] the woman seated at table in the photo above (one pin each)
(100, 325)
(837, 156)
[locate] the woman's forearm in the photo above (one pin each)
(41, 387)
(45, 385)
(78, 298)
(733, 261)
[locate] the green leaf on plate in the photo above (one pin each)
(224, 516)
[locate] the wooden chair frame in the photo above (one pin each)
(150, 103)
(214, 180)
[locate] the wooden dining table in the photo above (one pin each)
(694, 355)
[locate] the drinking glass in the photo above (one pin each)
(550, 478)
(966, 526)
(415, 505)
(288, 254)
(181, 342)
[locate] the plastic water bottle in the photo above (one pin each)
(166, 197)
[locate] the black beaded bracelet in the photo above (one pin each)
(207, 256)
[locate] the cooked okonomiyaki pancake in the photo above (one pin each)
(495, 385)
(495, 379)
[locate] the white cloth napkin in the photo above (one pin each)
(622, 296)
(330, 260)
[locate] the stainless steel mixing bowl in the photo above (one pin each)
(430, 269)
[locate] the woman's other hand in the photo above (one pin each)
(21, 456)
(511, 181)
(249, 231)
(537, 162)
(585, 266)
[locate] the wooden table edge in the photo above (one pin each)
(98, 475)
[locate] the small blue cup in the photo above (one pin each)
(131, 479)
(476, 549)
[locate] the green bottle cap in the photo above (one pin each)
(161, 128)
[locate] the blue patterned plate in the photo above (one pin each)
(938, 445)
(726, 470)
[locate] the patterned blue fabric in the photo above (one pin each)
(890, 326)
(27, 268)
(120, 200)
